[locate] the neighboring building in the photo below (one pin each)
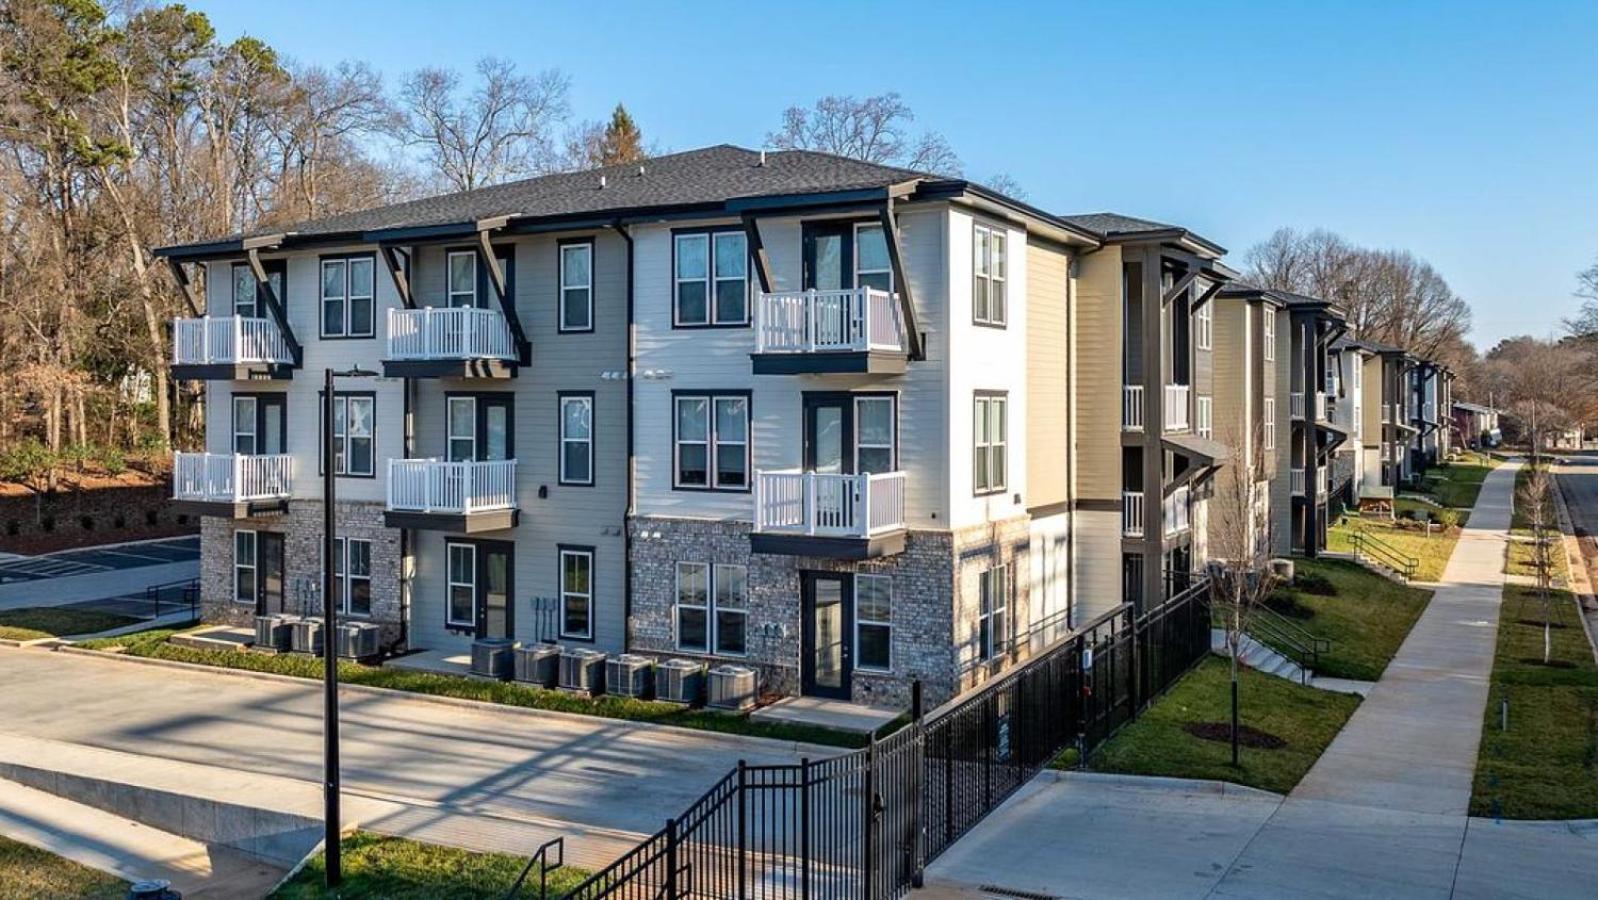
(1431, 384)
(1251, 328)
(1476, 425)
(1356, 462)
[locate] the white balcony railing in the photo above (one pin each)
(1204, 417)
(1176, 405)
(1295, 405)
(443, 332)
(1320, 406)
(1177, 510)
(1296, 482)
(828, 321)
(1132, 407)
(227, 340)
(231, 477)
(1323, 482)
(814, 503)
(439, 486)
(1132, 513)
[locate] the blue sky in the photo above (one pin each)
(1464, 131)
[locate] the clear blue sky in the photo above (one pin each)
(1464, 131)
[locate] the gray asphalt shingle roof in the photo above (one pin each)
(1110, 224)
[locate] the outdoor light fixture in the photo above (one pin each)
(330, 764)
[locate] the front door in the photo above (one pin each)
(269, 574)
(493, 606)
(828, 443)
(827, 642)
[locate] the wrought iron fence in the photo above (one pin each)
(864, 824)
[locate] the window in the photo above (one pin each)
(462, 585)
(461, 425)
(712, 441)
(577, 439)
(874, 435)
(461, 289)
(1204, 419)
(990, 444)
(994, 588)
(247, 301)
(577, 286)
(1270, 423)
(244, 566)
(353, 416)
(873, 611)
(1204, 326)
(872, 269)
(699, 626)
(576, 593)
(347, 294)
(244, 419)
(988, 273)
(352, 576)
(1269, 333)
(711, 278)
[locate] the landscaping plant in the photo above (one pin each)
(1536, 505)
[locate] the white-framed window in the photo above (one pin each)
(873, 267)
(352, 575)
(461, 286)
(245, 440)
(993, 587)
(353, 427)
(711, 441)
(577, 439)
(347, 296)
(990, 444)
(577, 286)
(461, 428)
(1269, 413)
(712, 608)
(731, 585)
(462, 575)
(873, 613)
(875, 437)
(576, 593)
(710, 278)
(244, 566)
(1204, 417)
(1204, 326)
(989, 264)
(1268, 316)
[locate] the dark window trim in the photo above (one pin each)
(749, 440)
(852, 225)
(560, 591)
(560, 443)
(807, 398)
(593, 301)
(988, 394)
(260, 419)
(321, 439)
(710, 280)
(485, 298)
(479, 422)
(1004, 324)
(321, 317)
(279, 266)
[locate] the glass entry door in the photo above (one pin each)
(269, 574)
(827, 643)
(494, 615)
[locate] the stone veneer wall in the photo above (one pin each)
(976, 550)
(302, 555)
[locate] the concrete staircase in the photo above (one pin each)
(1261, 658)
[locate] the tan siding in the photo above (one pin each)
(1048, 397)
(1098, 376)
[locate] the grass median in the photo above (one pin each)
(36, 622)
(391, 868)
(1365, 617)
(28, 872)
(154, 644)
(1291, 724)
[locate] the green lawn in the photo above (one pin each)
(1520, 560)
(1432, 550)
(1518, 523)
(33, 623)
(1546, 765)
(1366, 620)
(1457, 483)
(28, 873)
(1156, 744)
(154, 644)
(390, 868)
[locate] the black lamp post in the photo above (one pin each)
(330, 766)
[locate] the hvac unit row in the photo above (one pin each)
(581, 670)
(356, 640)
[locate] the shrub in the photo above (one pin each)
(1315, 583)
(77, 455)
(111, 460)
(27, 462)
(1448, 518)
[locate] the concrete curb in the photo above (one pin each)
(1165, 784)
(31, 642)
(1576, 564)
(770, 745)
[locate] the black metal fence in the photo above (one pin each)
(865, 824)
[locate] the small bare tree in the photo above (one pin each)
(1536, 505)
(875, 129)
(504, 129)
(1241, 535)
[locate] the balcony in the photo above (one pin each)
(1296, 482)
(1176, 406)
(799, 513)
(231, 485)
(1320, 407)
(818, 332)
(1323, 483)
(1132, 513)
(450, 342)
(1295, 405)
(1177, 511)
(1132, 407)
(462, 497)
(229, 348)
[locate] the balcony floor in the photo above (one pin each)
(782, 543)
(449, 368)
(256, 371)
(232, 509)
(847, 362)
(457, 523)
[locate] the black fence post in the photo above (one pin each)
(804, 828)
(918, 752)
(743, 828)
(1137, 662)
(868, 800)
(671, 859)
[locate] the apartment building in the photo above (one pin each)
(1432, 384)
(1355, 462)
(1476, 425)
(1251, 325)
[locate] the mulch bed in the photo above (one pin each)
(1247, 736)
(1551, 664)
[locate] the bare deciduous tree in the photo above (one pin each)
(874, 129)
(503, 129)
(1543, 385)
(1535, 501)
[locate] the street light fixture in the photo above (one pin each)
(330, 765)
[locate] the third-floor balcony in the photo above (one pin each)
(815, 332)
(1132, 407)
(1176, 406)
(842, 516)
(450, 342)
(232, 485)
(228, 348)
(442, 495)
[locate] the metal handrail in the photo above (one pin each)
(1385, 553)
(540, 858)
(1302, 654)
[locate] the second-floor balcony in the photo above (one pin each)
(1177, 511)
(232, 485)
(1176, 407)
(1296, 482)
(1295, 405)
(1132, 513)
(229, 348)
(450, 342)
(860, 330)
(1132, 407)
(842, 516)
(442, 495)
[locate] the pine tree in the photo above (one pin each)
(622, 141)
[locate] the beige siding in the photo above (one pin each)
(1098, 378)
(1048, 397)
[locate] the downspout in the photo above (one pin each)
(631, 505)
